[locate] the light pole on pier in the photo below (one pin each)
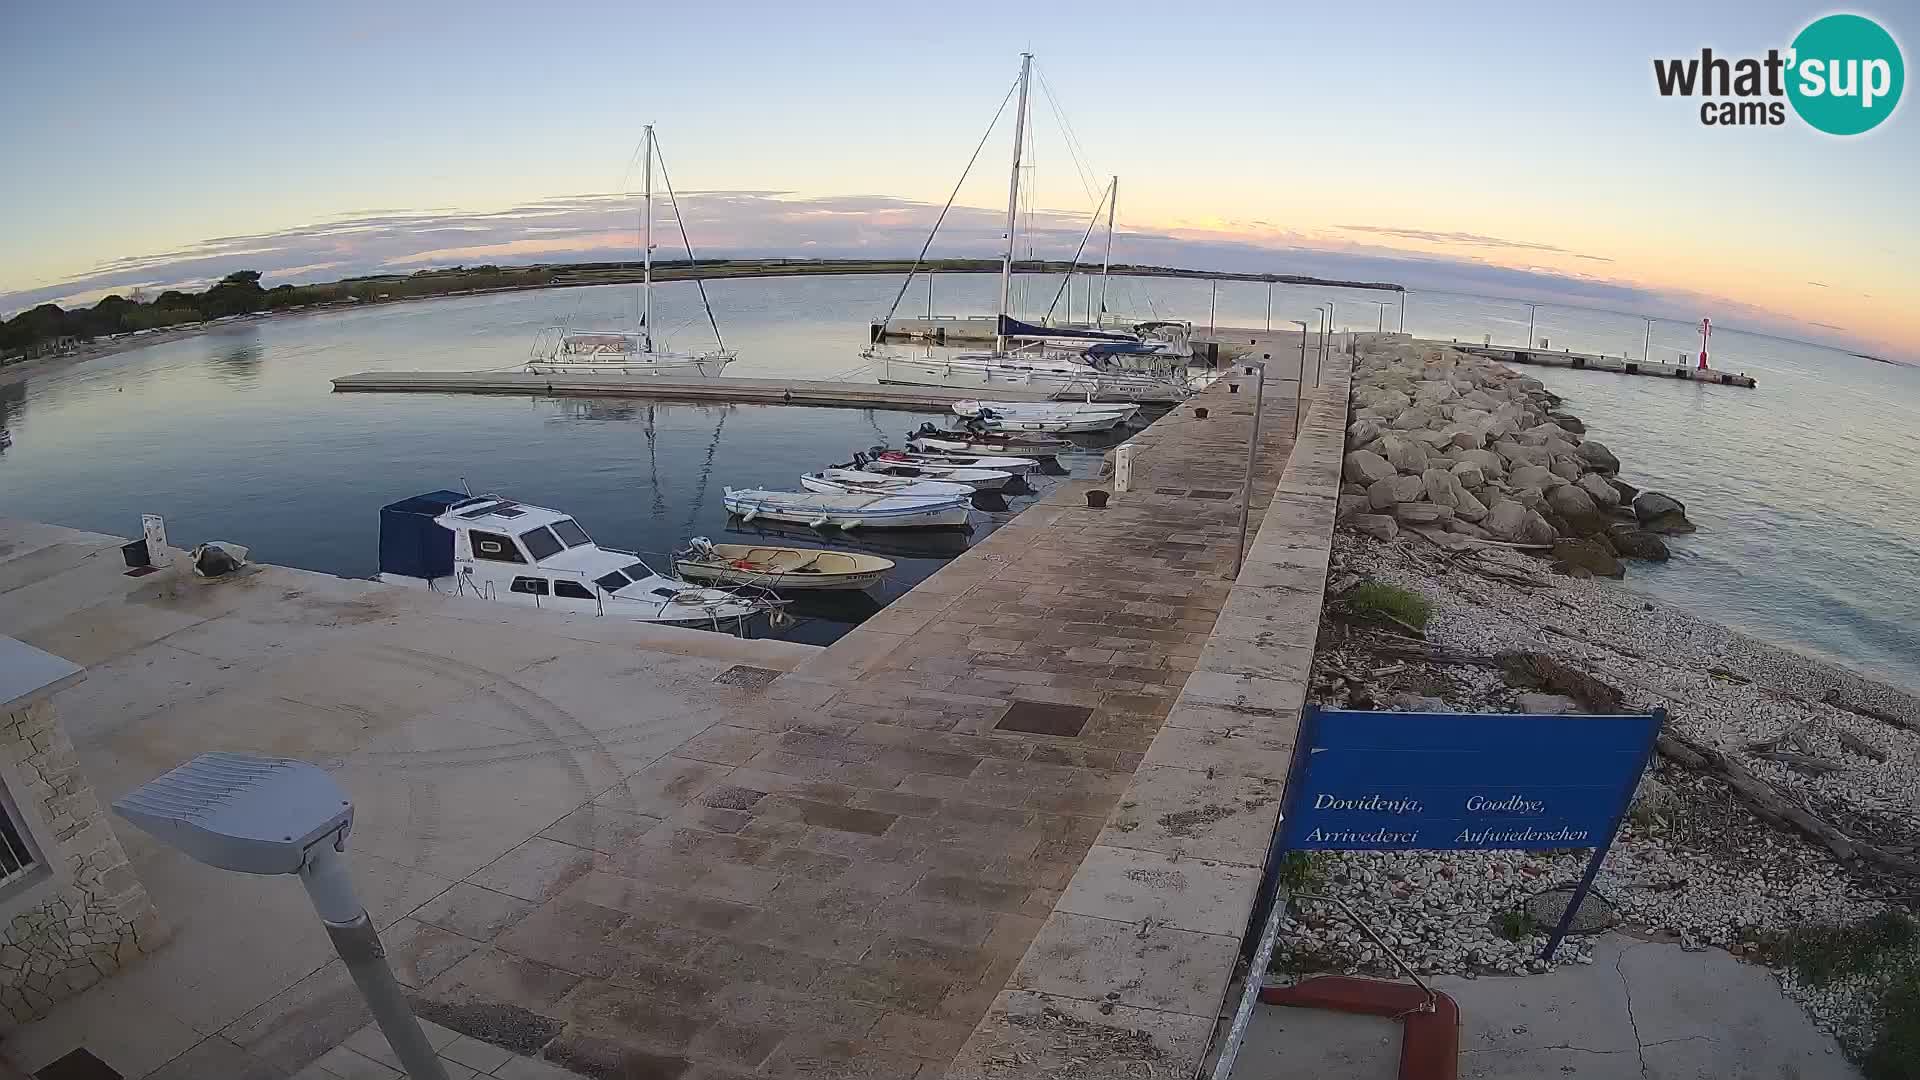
(1302, 324)
(1270, 312)
(1646, 344)
(1213, 307)
(1530, 308)
(1403, 311)
(1381, 328)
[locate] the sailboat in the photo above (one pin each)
(1022, 358)
(564, 351)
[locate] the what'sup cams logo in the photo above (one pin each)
(1842, 75)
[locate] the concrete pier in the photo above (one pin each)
(1618, 365)
(1039, 785)
(850, 395)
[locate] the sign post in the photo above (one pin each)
(1393, 781)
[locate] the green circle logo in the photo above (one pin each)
(1846, 74)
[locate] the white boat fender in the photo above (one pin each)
(819, 522)
(853, 524)
(779, 619)
(750, 514)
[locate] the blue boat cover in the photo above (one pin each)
(1012, 327)
(411, 543)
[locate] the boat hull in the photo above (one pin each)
(974, 479)
(877, 514)
(665, 367)
(856, 482)
(1054, 381)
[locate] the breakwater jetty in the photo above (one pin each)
(1618, 365)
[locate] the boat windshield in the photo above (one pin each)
(541, 542)
(620, 579)
(570, 533)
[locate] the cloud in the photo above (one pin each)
(1466, 239)
(595, 227)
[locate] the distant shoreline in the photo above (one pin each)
(583, 275)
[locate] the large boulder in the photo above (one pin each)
(1537, 530)
(1571, 556)
(1362, 432)
(1365, 466)
(1385, 494)
(1465, 438)
(1570, 423)
(1577, 508)
(1638, 543)
(1506, 520)
(1422, 513)
(1598, 458)
(1351, 505)
(1535, 476)
(1491, 464)
(1404, 454)
(1414, 419)
(1516, 454)
(1603, 494)
(1626, 491)
(1379, 526)
(1565, 467)
(1469, 507)
(1442, 489)
(1661, 513)
(1469, 474)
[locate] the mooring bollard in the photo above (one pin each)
(1096, 500)
(1199, 412)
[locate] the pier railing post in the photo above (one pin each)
(1253, 450)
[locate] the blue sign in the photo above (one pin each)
(1446, 781)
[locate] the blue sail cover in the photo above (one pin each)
(1122, 348)
(1012, 327)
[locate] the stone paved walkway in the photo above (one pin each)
(840, 882)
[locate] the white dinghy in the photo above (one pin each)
(851, 511)
(842, 481)
(974, 479)
(1018, 466)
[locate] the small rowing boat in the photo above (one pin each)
(930, 439)
(851, 511)
(785, 568)
(840, 481)
(975, 479)
(1018, 466)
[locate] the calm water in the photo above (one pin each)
(1810, 532)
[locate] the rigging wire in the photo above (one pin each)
(918, 259)
(1068, 278)
(1088, 178)
(681, 221)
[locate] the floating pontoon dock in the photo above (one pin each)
(849, 395)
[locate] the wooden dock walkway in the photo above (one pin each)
(848, 395)
(1619, 365)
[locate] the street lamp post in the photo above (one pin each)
(1302, 324)
(1530, 308)
(1270, 307)
(1213, 307)
(1253, 449)
(1646, 344)
(1403, 312)
(1381, 327)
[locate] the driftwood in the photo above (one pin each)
(1860, 746)
(1770, 806)
(1806, 763)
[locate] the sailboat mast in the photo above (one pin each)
(1106, 265)
(1013, 202)
(646, 240)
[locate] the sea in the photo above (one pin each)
(1803, 489)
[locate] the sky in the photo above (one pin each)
(1510, 149)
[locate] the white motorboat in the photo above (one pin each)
(562, 351)
(930, 439)
(1063, 416)
(1018, 466)
(493, 548)
(850, 511)
(973, 479)
(779, 567)
(841, 481)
